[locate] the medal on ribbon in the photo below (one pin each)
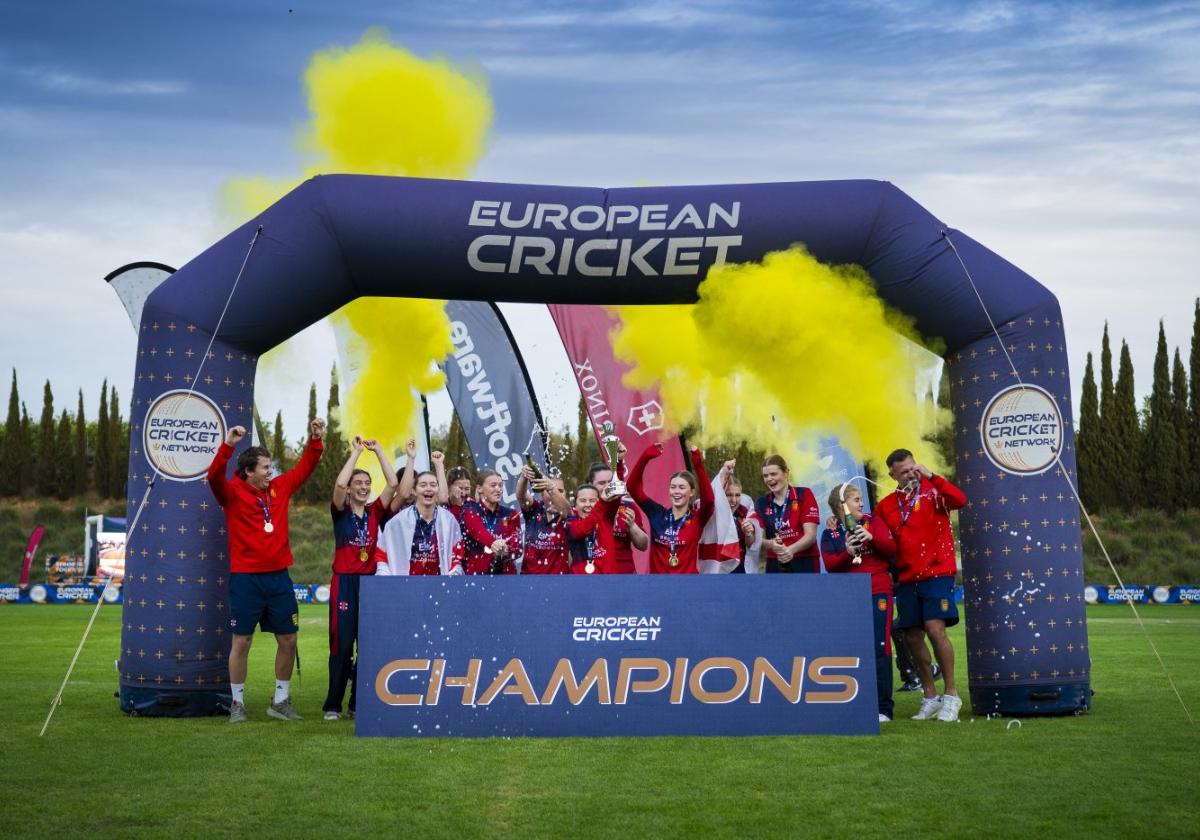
(673, 530)
(266, 509)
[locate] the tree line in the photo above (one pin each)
(64, 455)
(1147, 458)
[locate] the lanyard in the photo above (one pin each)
(423, 538)
(266, 509)
(906, 512)
(673, 530)
(779, 518)
(362, 527)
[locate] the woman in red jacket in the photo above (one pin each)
(868, 549)
(675, 531)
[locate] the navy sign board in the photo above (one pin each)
(616, 655)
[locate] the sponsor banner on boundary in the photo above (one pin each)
(616, 655)
(59, 593)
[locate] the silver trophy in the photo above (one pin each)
(612, 445)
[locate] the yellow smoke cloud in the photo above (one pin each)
(377, 109)
(780, 353)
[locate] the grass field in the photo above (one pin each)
(1126, 769)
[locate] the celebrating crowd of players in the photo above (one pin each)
(436, 522)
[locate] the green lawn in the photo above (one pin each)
(1127, 768)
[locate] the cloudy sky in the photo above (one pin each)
(1064, 136)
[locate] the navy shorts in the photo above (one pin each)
(925, 600)
(262, 598)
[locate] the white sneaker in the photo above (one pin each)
(884, 718)
(930, 706)
(333, 716)
(950, 706)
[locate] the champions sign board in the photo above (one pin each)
(181, 434)
(616, 655)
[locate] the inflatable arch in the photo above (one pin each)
(335, 238)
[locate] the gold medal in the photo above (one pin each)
(673, 561)
(269, 528)
(362, 556)
(590, 568)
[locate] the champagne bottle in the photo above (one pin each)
(537, 473)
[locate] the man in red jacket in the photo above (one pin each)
(260, 588)
(918, 513)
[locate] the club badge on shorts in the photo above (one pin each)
(945, 605)
(883, 604)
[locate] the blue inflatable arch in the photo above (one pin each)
(336, 238)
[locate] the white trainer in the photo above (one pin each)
(950, 705)
(333, 715)
(884, 718)
(930, 706)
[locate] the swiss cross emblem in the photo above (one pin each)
(645, 417)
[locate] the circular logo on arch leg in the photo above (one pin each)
(181, 434)
(1022, 430)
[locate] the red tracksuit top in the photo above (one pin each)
(687, 542)
(251, 549)
(924, 540)
(604, 545)
(875, 559)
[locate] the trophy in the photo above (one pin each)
(612, 445)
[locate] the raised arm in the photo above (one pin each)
(217, 482)
(408, 481)
(523, 479)
(707, 498)
(439, 469)
(951, 495)
(299, 474)
(389, 474)
(634, 484)
(341, 485)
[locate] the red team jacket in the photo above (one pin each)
(251, 549)
(687, 542)
(349, 547)
(875, 559)
(481, 527)
(799, 507)
(545, 543)
(595, 531)
(924, 541)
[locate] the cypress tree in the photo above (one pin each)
(1087, 457)
(1185, 464)
(458, 453)
(26, 451)
(312, 408)
(118, 448)
(79, 482)
(1125, 449)
(260, 431)
(1193, 491)
(337, 450)
(581, 459)
(46, 455)
(1107, 488)
(279, 444)
(10, 449)
(102, 459)
(1160, 444)
(64, 473)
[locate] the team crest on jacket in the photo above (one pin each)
(645, 417)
